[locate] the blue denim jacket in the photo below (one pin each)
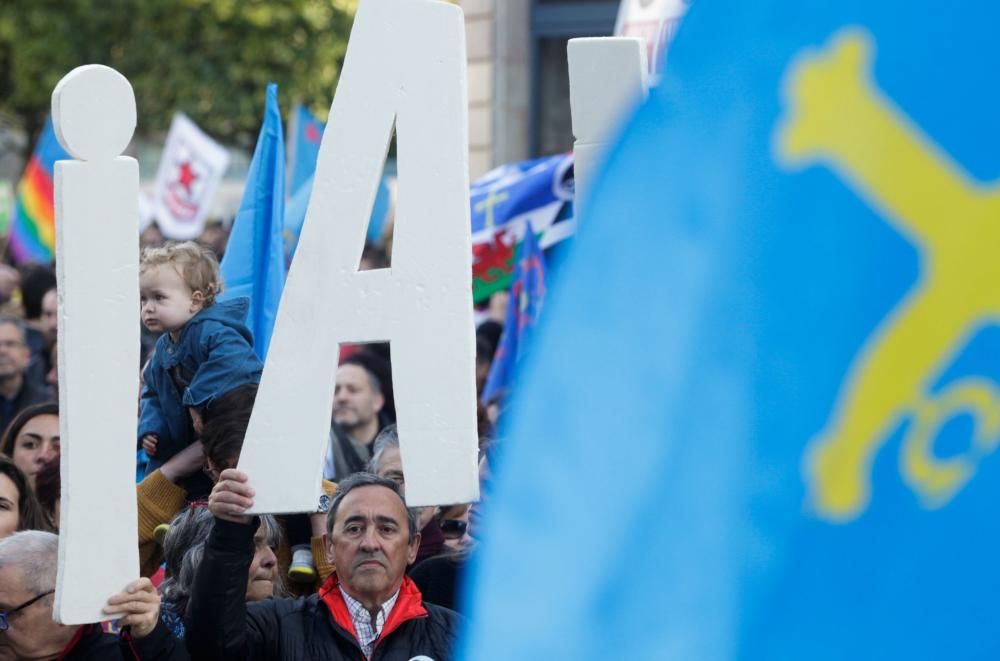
(215, 355)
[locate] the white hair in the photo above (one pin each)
(35, 554)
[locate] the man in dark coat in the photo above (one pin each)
(368, 609)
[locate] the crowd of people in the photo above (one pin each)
(361, 576)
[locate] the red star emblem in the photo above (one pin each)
(312, 133)
(187, 176)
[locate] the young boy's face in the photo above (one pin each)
(166, 302)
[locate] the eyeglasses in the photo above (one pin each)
(453, 528)
(5, 615)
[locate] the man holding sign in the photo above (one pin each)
(369, 606)
(27, 583)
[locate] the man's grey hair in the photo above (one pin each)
(17, 322)
(357, 480)
(387, 438)
(35, 554)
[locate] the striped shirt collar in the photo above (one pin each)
(366, 630)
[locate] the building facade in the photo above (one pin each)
(518, 76)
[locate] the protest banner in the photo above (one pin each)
(94, 114)
(414, 82)
(190, 171)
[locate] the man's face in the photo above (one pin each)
(31, 632)
(355, 402)
(14, 353)
(50, 316)
(369, 544)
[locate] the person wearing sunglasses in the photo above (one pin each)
(28, 563)
(454, 522)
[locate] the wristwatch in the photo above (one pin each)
(324, 504)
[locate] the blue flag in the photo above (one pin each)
(525, 304)
(503, 202)
(766, 427)
(295, 216)
(298, 204)
(306, 138)
(254, 263)
(308, 134)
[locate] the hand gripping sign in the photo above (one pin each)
(405, 68)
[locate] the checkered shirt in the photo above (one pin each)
(366, 630)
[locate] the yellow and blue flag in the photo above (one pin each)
(254, 262)
(766, 426)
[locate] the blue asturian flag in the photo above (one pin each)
(527, 295)
(254, 262)
(761, 419)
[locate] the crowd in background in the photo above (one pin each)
(289, 556)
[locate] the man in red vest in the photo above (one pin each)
(367, 609)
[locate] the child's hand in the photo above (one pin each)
(196, 420)
(149, 442)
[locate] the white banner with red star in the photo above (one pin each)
(191, 169)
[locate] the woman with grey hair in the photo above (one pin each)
(183, 549)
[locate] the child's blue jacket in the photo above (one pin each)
(214, 355)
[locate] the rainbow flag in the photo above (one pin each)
(32, 236)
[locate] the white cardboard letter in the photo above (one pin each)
(97, 212)
(607, 76)
(405, 63)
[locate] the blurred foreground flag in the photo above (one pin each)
(254, 262)
(32, 233)
(527, 296)
(761, 417)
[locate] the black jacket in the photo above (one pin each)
(221, 625)
(92, 644)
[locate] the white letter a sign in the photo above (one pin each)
(405, 67)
